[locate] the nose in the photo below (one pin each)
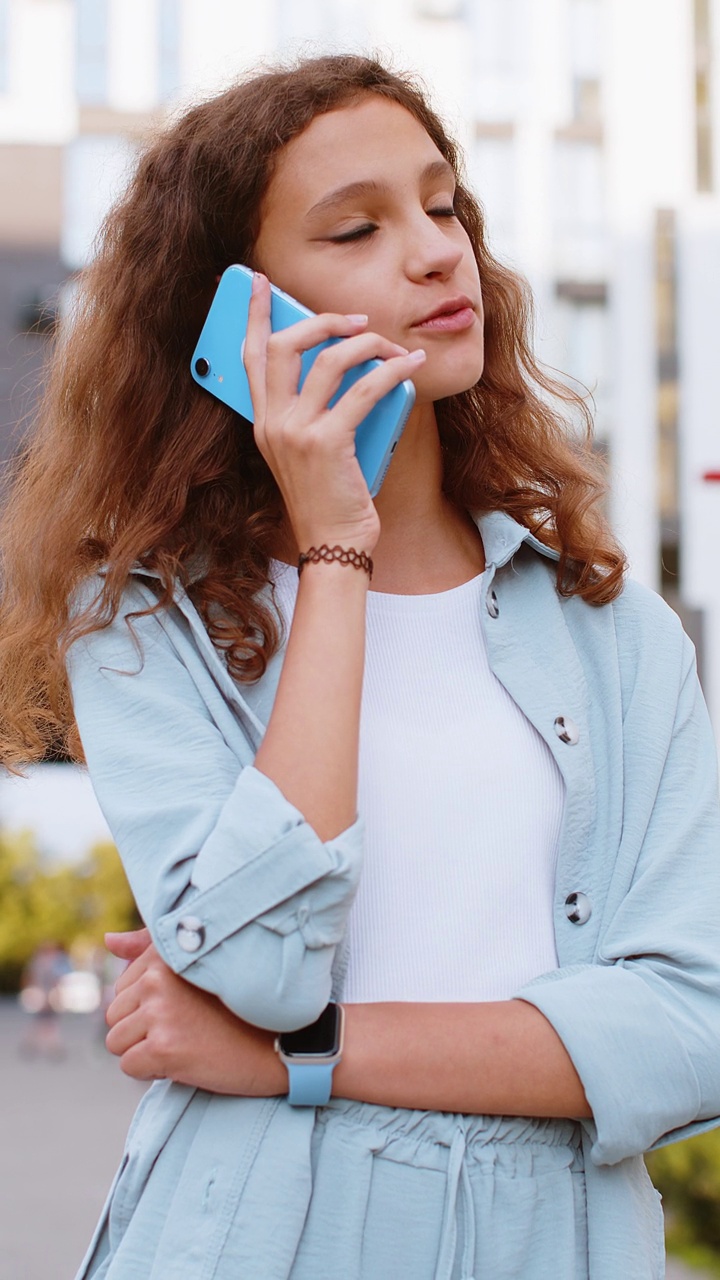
(431, 252)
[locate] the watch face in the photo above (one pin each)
(321, 1039)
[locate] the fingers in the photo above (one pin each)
(123, 1004)
(274, 359)
(136, 968)
(364, 394)
(286, 347)
(127, 1032)
(331, 365)
(138, 1062)
(128, 945)
(256, 342)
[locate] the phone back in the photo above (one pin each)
(217, 366)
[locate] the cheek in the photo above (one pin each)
(340, 288)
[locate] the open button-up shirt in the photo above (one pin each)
(243, 899)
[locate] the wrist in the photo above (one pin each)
(351, 1076)
(347, 557)
(310, 1056)
(334, 578)
(363, 537)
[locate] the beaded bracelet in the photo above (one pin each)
(358, 559)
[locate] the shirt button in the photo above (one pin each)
(567, 730)
(491, 604)
(190, 933)
(577, 908)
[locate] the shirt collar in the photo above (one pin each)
(502, 536)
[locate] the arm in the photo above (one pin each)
(642, 1021)
(632, 1038)
(438, 1057)
(310, 749)
(259, 853)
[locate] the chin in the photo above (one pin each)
(441, 383)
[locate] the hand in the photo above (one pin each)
(310, 448)
(162, 1027)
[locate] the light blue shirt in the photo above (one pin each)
(221, 862)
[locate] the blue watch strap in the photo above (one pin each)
(310, 1083)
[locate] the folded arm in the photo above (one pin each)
(501, 1058)
(211, 833)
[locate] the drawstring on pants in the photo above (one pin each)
(457, 1176)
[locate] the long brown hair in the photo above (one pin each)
(131, 462)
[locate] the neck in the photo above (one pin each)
(426, 543)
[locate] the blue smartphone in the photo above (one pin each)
(217, 365)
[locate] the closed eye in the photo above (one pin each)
(361, 233)
(358, 234)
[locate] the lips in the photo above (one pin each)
(447, 308)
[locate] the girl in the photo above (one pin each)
(276, 679)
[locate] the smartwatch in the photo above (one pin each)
(311, 1055)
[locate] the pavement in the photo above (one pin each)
(62, 1129)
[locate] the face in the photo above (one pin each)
(358, 218)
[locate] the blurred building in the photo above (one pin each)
(592, 130)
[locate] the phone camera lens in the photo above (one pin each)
(202, 367)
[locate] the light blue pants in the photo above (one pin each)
(222, 1188)
(415, 1195)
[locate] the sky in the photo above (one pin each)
(57, 803)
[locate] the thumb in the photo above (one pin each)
(129, 945)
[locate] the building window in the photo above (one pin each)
(667, 393)
(586, 101)
(497, 29)
(311, 20)
(579, 213)
(703, 96)
(586, 38)
(168, 48)
(494, 179)
(582, 326)
(4, 50)
(97, 168)
(91, 46)
(442, 9)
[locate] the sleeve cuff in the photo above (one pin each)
(263, 864)
(638, 1077)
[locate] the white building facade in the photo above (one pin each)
(592, 131)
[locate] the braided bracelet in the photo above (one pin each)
(358, 559)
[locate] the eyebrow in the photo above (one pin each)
(436, 169)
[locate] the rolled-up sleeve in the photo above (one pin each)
(642, 1023)
(240, 894)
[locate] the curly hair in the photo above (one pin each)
(131, 462)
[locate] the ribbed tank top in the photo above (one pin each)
(462, 803)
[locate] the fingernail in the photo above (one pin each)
(418, 356)
(400, 350)
(357, 319)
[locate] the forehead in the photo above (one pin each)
(369, 140)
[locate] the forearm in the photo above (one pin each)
(310, 748)
(499, 1058)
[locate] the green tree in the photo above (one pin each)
(687, 1174)
(69, 904)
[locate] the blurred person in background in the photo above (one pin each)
(470, 813)
(40, 996)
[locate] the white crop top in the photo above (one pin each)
(462, 803)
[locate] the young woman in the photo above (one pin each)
(511, 741)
